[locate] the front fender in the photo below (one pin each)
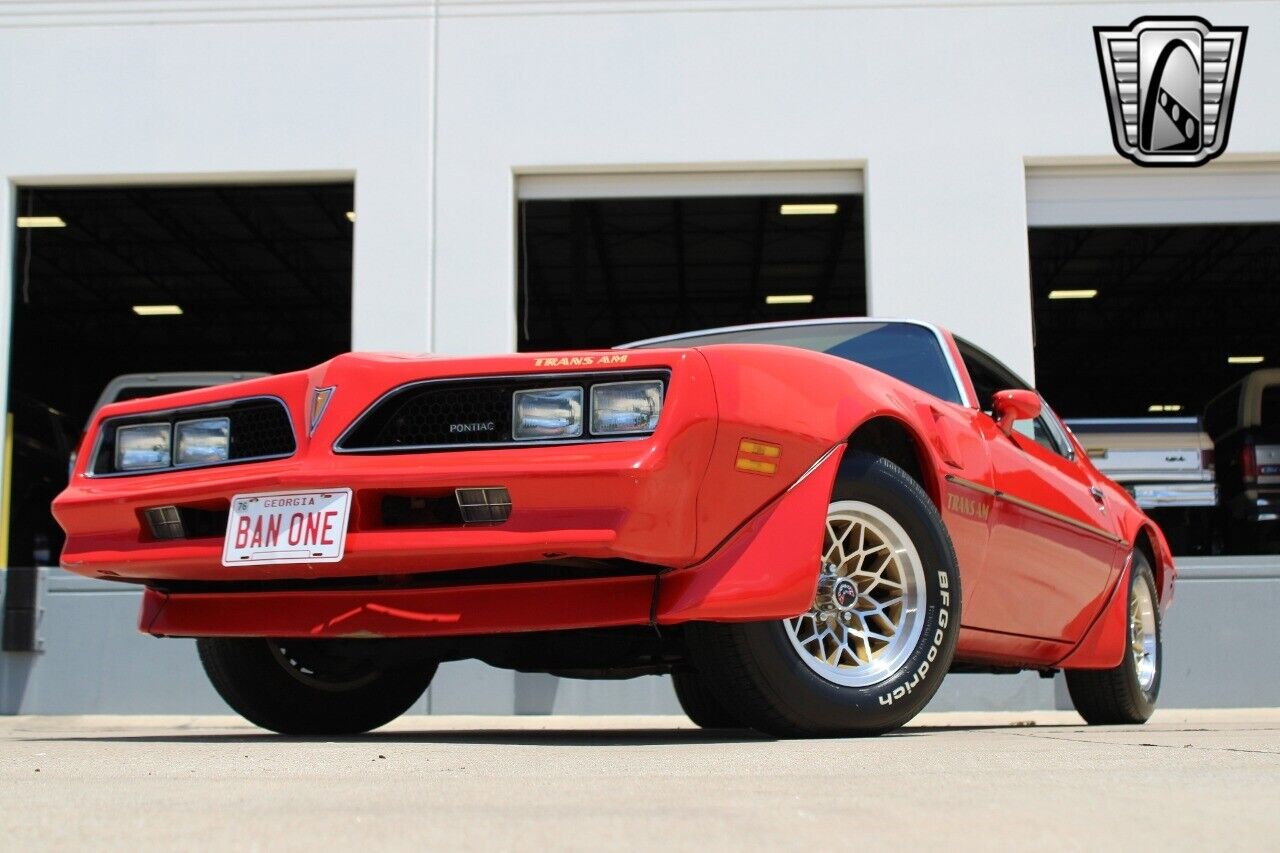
(767, 569)
(801, 404)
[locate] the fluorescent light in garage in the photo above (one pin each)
(1165, 407)
(1245, 359)
(41, 222)
(1072, 294)
(789, 299)
(156, 310)
(808, 209)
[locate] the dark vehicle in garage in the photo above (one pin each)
(1244, 422)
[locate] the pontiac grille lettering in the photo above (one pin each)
(485, 426)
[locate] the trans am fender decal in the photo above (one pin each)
(1028, 505)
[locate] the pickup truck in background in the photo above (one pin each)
(1244, 423)
(1167, 464)
(134, 386)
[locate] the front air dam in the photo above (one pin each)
(766, 570)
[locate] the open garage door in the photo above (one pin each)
(147, 279)
(606, 259)
(1153, 295)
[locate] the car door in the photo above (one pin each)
(1054, 548)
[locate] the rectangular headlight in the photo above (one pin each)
(546, 414)
(201, 442)
(625, 407)
(142, 446)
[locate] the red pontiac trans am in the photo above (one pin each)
(807, 524)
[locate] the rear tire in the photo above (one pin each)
(873, 649)
(309, 687)
(700, 704)
(1126, 694)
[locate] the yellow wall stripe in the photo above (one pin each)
(6, 491)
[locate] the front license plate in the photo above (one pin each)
(287, 527)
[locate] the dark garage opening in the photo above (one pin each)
(596, 273)
(1153, 322)
(1172, 305)
(261, 275)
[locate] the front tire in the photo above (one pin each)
(1127, 693)
(874, 647)
(310, 687)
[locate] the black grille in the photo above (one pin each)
(438, 415)
(260, 429)
(444, 414)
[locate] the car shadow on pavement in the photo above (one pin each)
(515, 736)
(495, 737)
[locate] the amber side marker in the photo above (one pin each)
(758, 457)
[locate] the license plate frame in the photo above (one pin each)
(319, 535)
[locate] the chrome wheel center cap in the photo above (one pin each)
(844, 594)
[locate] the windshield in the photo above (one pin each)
(903, 350)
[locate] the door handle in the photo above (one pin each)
(1098, 496)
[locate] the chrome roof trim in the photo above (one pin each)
(821, 321)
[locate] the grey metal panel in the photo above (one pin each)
(1219, 645)
(95, 661)
(1227, 568)
(1218, 648)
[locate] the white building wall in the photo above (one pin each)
(943, 104)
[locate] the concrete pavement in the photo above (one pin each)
(1188, 779)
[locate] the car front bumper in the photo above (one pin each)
(1158, 495)
(622, 501)
(676, 505)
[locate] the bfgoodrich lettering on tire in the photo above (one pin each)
(875, 645)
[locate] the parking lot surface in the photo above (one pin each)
(971, 781)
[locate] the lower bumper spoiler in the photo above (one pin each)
(766, 570)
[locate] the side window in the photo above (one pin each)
(1054, 433)
(990, 376)
(1270, 407)
(1223, 412)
